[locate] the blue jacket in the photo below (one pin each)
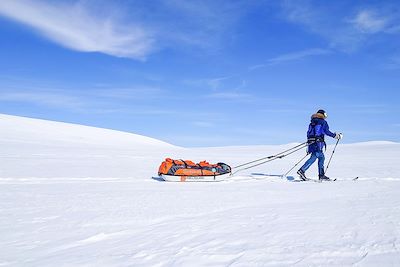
(317, 130)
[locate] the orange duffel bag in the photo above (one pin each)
(189, 168)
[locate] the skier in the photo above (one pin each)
(315, 137)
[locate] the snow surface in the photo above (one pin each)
(73, 195)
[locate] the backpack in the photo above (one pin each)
(315, 131)
(315, 137)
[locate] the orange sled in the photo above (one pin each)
(188, 171)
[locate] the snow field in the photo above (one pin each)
(245, 223)
(82, 201)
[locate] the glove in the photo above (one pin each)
(338, 136)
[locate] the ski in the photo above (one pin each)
(304, 179)
(265, 174)
(331, 180)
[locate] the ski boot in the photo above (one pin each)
(302, 175)
(324, 178)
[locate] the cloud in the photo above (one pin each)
(74, 26)
(213, 83)
(201, 23)
(346, 28)
(230, 96)
(121, 101)
(220, 85)
(298, 55)
(292, 57)
(130, 29)
(140, 92)
(43, 98)
(144, 110)
(319, 21)
(216, 82)
(369, 22)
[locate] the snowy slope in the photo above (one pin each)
(46, 149)
(79, 196)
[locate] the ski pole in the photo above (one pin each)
(295, 166)
(327, 166)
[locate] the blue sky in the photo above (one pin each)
(205, 73)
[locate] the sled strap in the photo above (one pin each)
(279, 155)
(184, 163)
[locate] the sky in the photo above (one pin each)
(205, 73)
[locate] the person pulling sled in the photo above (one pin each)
(317, 130)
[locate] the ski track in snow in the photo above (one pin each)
(72, 201)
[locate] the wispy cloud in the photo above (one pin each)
(142, 92)
(369, 22)
(224, 86)
(137, 101)
(132, 29)
(318, 21)
(202, 23)
(212, 83)
(298, 55)
(43, 98)
(295, 56)
(346, 29)
(216, 82)
(74, 26)
(103, 100)
(144, 110)
(230, 96)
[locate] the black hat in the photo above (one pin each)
(323, 112)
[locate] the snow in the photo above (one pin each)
(73, 195)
